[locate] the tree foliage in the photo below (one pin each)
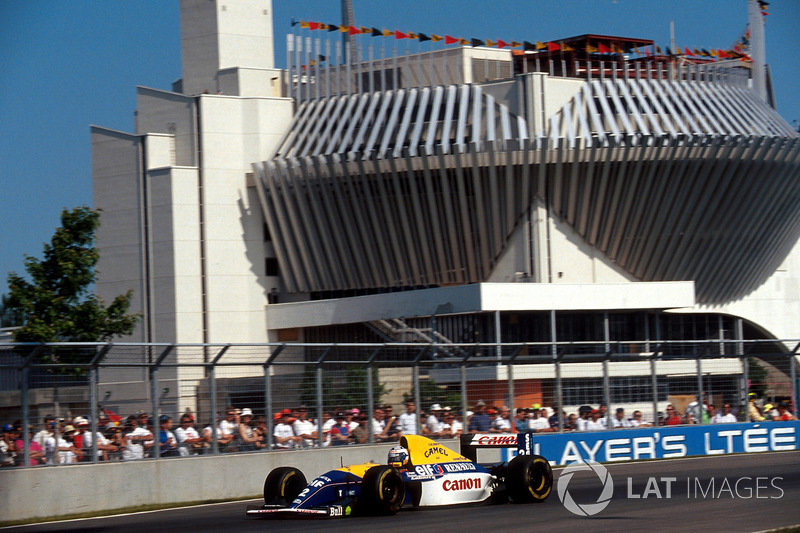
(430, 393)
(57, 304)
(343, 387)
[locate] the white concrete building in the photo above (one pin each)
(480, 192)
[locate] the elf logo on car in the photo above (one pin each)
(495, 440)
(462, 484)
(429, 470)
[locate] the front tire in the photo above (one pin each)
(529, 479)
(283, 485)
(382, 491)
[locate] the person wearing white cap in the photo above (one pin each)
(67, 452)
(433, 428)
(245, 435)
(104, 446)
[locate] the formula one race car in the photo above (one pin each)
(421, 473)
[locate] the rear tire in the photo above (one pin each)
(529, 479)
(382, 491)
(283, 485)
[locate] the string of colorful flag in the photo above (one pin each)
(737, 52)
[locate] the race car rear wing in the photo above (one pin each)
(471, 442)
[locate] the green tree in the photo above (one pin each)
(343, 387)
(430, 393)
(57, 304)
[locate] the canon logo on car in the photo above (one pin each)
(495, 440)
(462, 484)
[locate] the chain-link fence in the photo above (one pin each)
(105, 402)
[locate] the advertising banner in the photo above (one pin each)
(662, 442)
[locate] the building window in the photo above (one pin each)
(271, 267)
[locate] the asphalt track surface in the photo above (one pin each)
(704, 497)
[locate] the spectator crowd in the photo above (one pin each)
(71, 440)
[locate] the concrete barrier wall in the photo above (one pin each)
(48, 491)
(51, 491)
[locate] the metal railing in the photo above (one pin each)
(108, 383)
(316, 68)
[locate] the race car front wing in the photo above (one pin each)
(277, 511)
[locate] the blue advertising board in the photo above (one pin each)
(663, 442)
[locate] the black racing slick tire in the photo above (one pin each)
(382, 491)
(529, 479)
(283, 485)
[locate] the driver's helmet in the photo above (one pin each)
(398, 457)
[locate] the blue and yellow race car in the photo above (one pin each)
(421, 473)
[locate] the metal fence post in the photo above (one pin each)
(26, 434)
(93, 410)
(268, 394)
(607, 389)
(654, 382)
(212, 386)
(319, 403)
(510, 367)
(557, 363)
(319, 394)
(93, 395)
(739, 349)
(370, 393)
(370, 405)
(417, 397)
(559, 392)
(744, 391)
(699, 387)
(155, 403)
(212, 391)
(464, 397)
(606, 377)
(795, 385)
(268, 405)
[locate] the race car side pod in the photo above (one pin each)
(470, 443)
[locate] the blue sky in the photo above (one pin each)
(67, 65)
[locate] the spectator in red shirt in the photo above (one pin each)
(783, 412)
(672, 418)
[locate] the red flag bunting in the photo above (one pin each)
(449, 40)
(313, 25)
(354, 31)
(399, 35)
(553, 47)
(501, 43)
